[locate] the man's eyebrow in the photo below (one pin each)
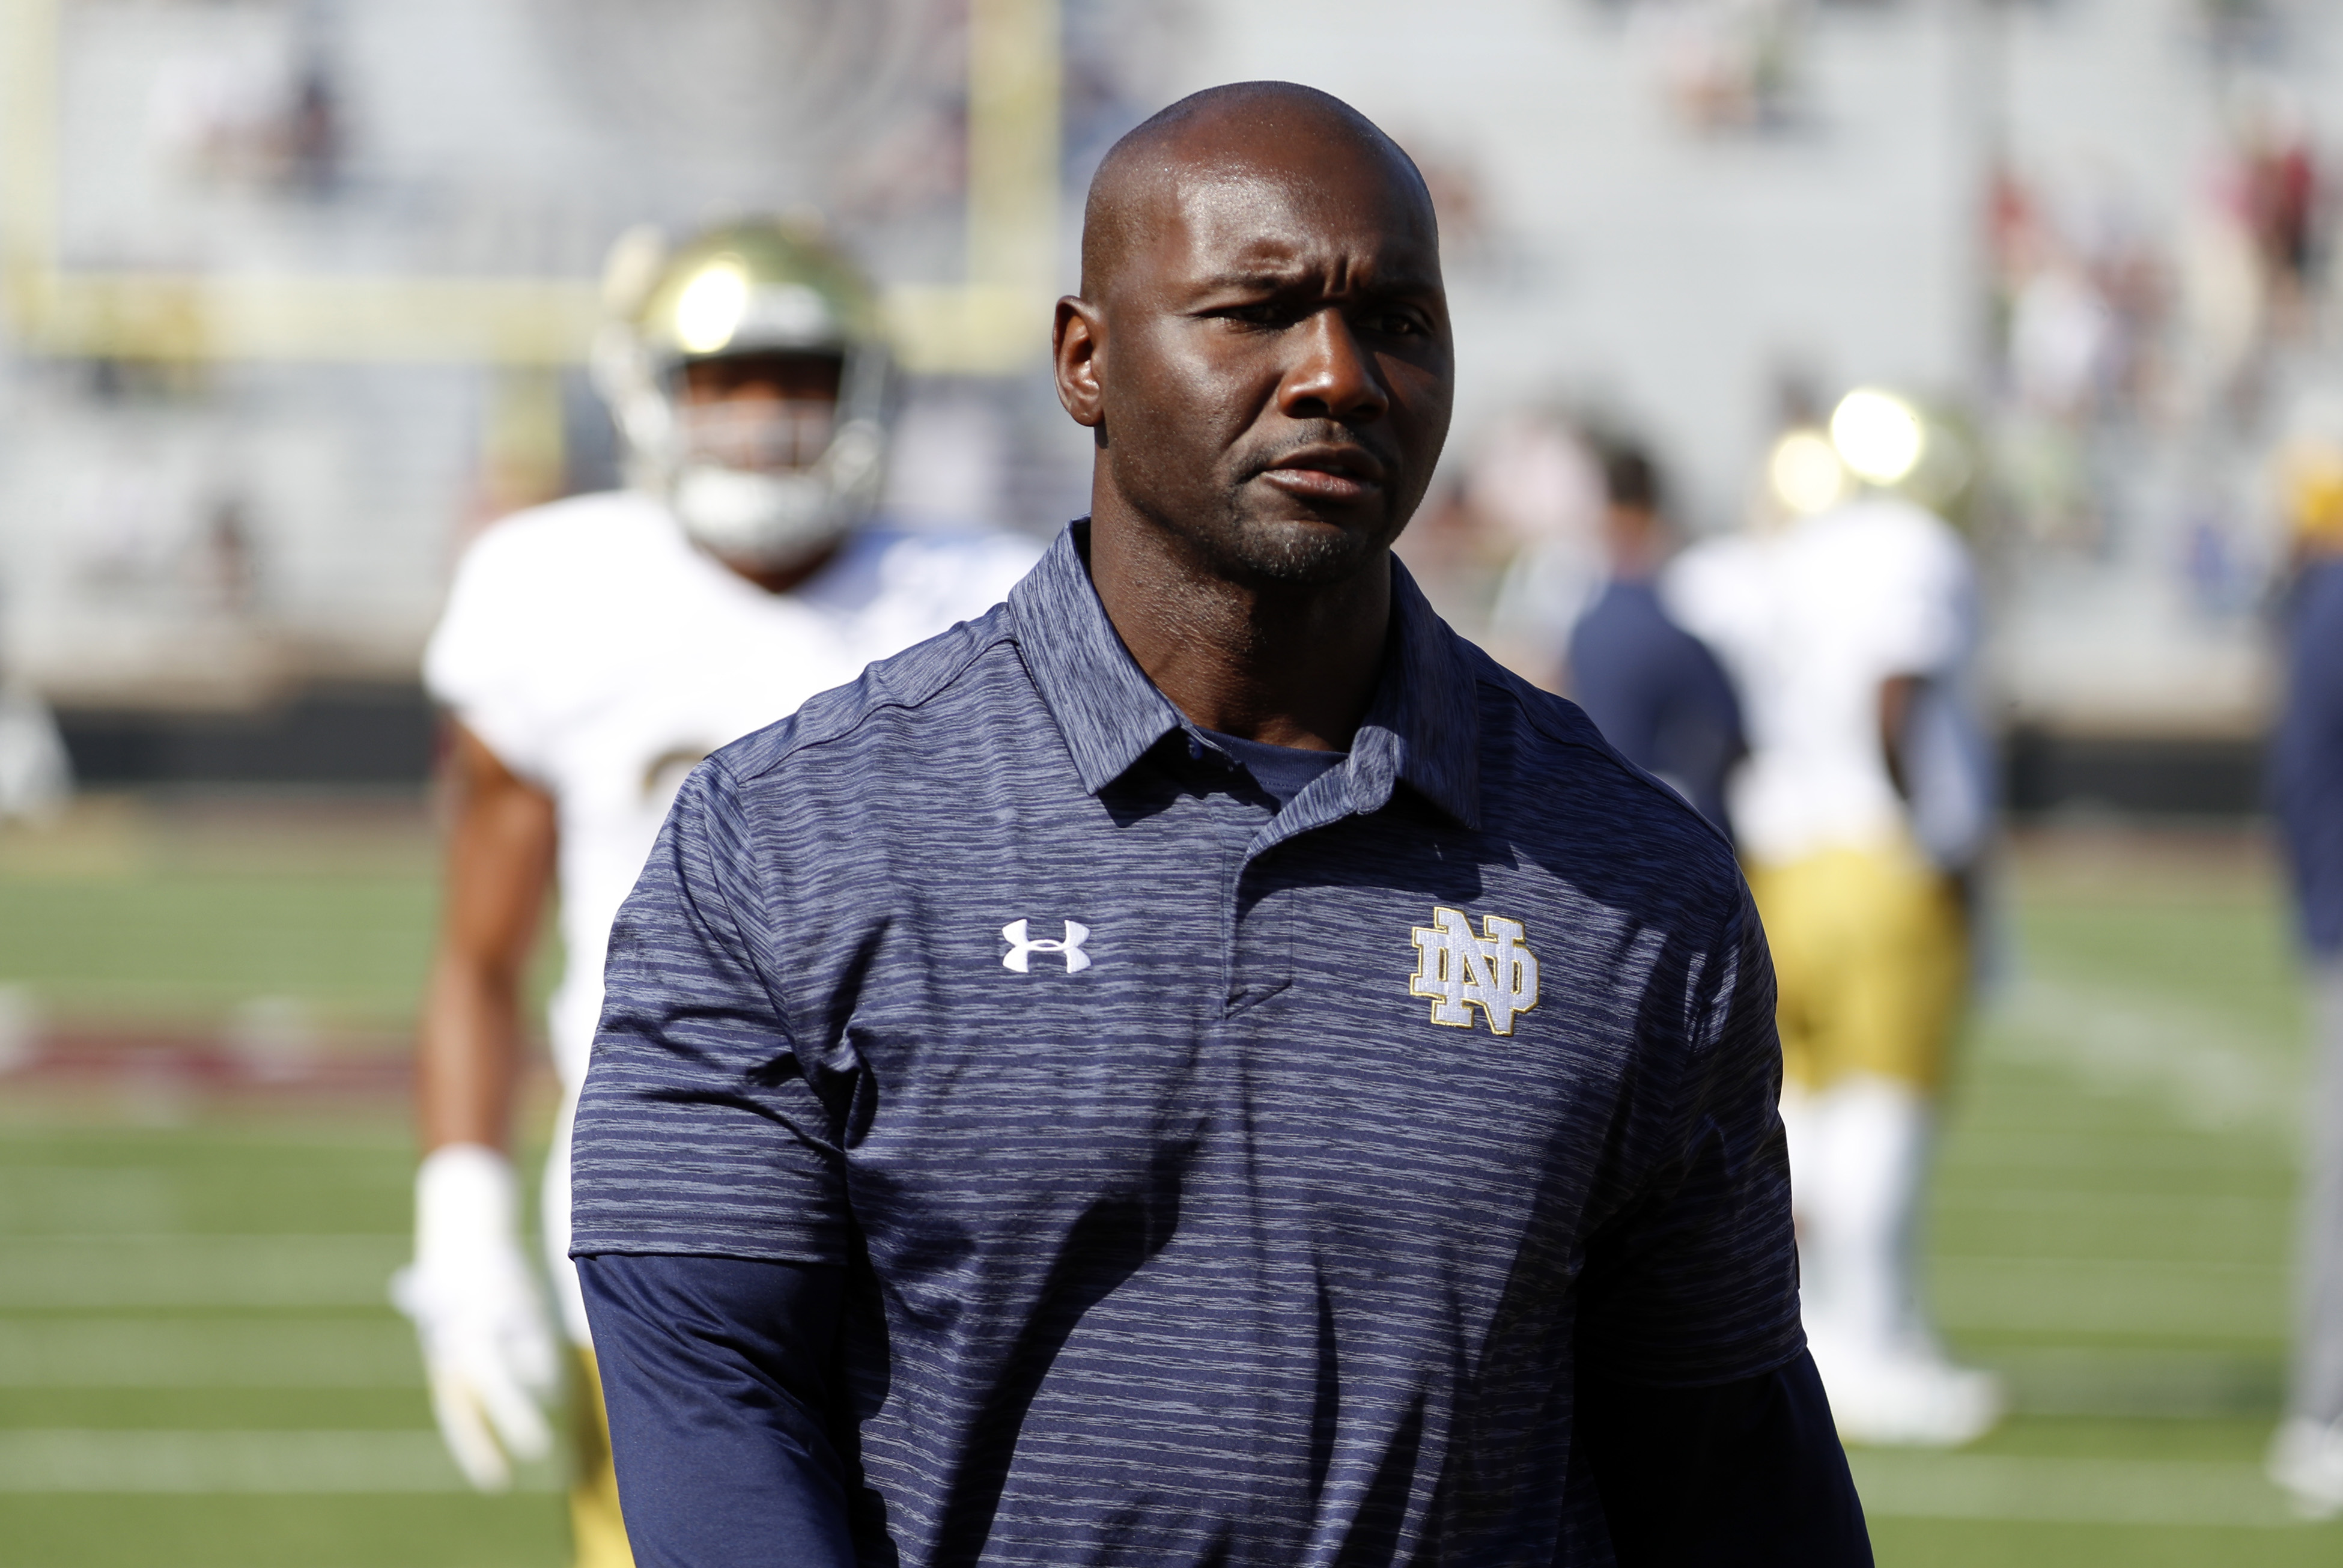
(1270, 276)
(1267, 274)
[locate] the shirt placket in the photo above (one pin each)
(1260, 912)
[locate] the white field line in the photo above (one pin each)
(229, 1461)
(194, 1271)
(199, 1353)
(2162, 1492)
(2211, 1071)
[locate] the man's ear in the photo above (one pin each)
(1078, 349)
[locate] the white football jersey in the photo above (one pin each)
(600, 655)
(1811, 620)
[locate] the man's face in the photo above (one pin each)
(769, 412)
(1276, 365)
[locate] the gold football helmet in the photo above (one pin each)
(750, 380)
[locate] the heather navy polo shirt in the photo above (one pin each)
(1219, 1182)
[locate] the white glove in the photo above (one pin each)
(486, 1347)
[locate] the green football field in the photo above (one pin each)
(198, 1365)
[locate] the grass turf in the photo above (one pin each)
(191, 1293)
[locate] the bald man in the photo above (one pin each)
(1202, 1066)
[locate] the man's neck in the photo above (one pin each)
(786, 577)
(1288, 664)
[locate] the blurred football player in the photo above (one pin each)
(1860, 812)
(2307, 779)
(591, 652)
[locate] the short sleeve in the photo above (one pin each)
(697, 1132)
(1695, 1280)
(489, 660)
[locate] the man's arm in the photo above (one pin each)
(1748, 1473)
(1703, 1421)
(471, 1291)
(710, 1219)
(499, 864)
(717, 1373)
(1896, 694)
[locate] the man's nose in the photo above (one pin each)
(1331, 377)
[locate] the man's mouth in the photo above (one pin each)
(1327, 472)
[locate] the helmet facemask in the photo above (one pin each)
(765, 480)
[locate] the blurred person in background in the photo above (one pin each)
(36, 774)
(2307, 776)
(1861, 813)
(1655, 690)
(591, 652)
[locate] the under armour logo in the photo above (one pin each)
(1021, 948)
(1493, 971)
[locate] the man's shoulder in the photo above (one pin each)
(1627, 621)
(1883, 533)
(990, 550)
(1553, 782)
(599, 533)
(533, 597)
(900, 712)
(901, 585)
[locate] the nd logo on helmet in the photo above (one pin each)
(1494, 970)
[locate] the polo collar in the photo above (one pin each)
(1422, 727)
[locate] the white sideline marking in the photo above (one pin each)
(253, 1463)
(2211, 1071)
(2066, 1490)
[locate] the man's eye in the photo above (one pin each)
(1394, 324)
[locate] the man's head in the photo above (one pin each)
(749, 379)
(1632, 526)
(1262, 344)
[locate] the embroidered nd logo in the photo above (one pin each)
(1495, 972)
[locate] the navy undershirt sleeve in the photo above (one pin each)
(1748, 1473)
(716, 1372)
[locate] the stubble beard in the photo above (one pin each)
(1227, 537)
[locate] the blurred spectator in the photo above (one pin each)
(1655, 690)
(2306, 773)
(1731, 65)
(1860, 813)
(2281, 200)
